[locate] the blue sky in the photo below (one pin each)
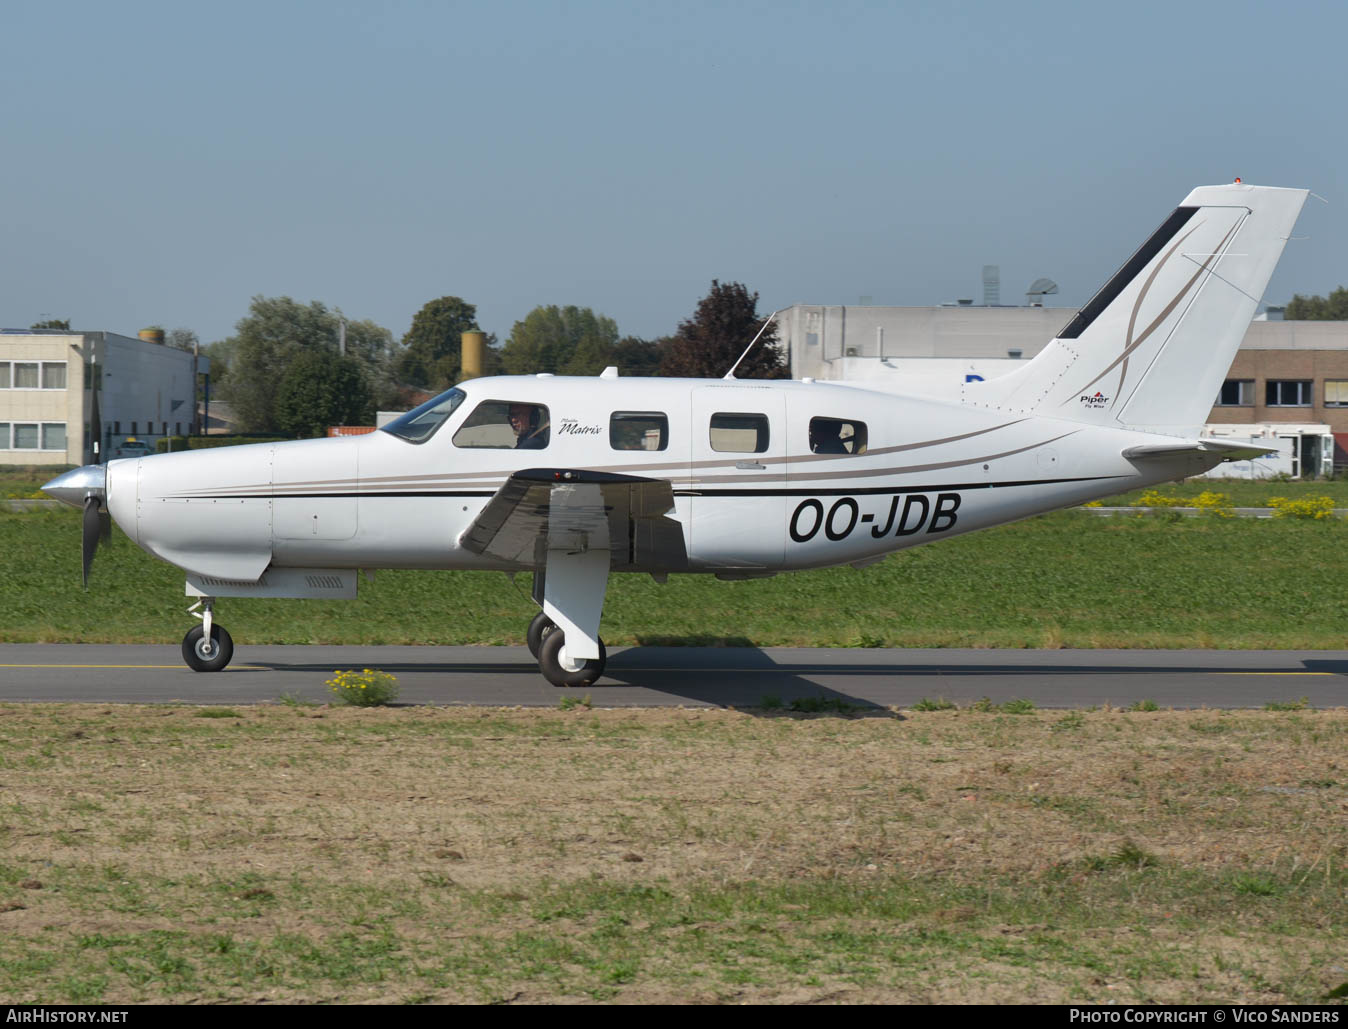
(164, 162)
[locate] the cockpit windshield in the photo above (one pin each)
(419, 424)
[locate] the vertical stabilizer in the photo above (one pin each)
(1151, 348)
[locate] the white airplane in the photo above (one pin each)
(574, 478)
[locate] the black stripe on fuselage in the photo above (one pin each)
(692, 492)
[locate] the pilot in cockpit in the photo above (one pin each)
(524, 421)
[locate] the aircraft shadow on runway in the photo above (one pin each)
(750, 677)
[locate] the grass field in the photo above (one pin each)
(1063, 580)
(294, 854)
(287, 853)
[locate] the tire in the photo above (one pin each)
(551, 666)
(539, 630)
(222, 649)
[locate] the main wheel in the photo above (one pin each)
(203, 656)
(539, 630)
(580, 673)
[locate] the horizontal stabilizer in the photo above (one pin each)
(1228, 449)
(541, 509)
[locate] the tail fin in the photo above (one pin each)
(1151, 348)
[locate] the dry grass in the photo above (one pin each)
(418, 854)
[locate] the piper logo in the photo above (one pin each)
(1098, 399)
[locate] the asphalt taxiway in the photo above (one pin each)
(690, 676)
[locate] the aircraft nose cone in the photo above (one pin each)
(72, 487)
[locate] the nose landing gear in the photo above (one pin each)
(207, 647)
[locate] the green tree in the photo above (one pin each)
(53, 323)
(635, 356)
(181, 339)
(432, 347)
(320, 389)
(276, 331)
(1333, 308)
(563, 340)
(708, 344)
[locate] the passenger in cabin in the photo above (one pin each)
(825, 436)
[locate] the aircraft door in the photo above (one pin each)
(738, 477)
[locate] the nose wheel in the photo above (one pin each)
(206, 647)
(207, 655)
(560, 670)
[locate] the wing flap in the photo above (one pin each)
(545, 508)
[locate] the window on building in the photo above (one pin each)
(1288, 393)
(133, 427)
(837, 436)
(732, 433)
(117, 428)
(25, 375)
(1236, 393)
(54, 436)
(26, 437)
(638, 430)
(53, 375)
(1336, 393)
(4, 435)
(4, 374)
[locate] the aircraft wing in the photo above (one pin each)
(541, 509)
(1231, 450)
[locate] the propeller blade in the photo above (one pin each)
(91, 530)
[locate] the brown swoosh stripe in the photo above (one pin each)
(1165, 313)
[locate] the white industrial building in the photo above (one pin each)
(48, 381)
(1288, 384)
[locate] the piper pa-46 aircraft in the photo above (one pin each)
(574, 478)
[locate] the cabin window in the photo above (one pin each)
(734, 433)
(638, 430)
(505, 425)
(837, 436)
(421, 423)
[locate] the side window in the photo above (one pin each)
(837, 436)
(739, 433)
(505, 425)
(638, 430)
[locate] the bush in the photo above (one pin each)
(1209, 502)
(368, 688)
(1305, 507)
(177, 443)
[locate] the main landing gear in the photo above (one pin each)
(206, 647)
(548, 643)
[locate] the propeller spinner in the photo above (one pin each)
(85, 487)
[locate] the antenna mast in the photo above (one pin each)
(731, 374)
